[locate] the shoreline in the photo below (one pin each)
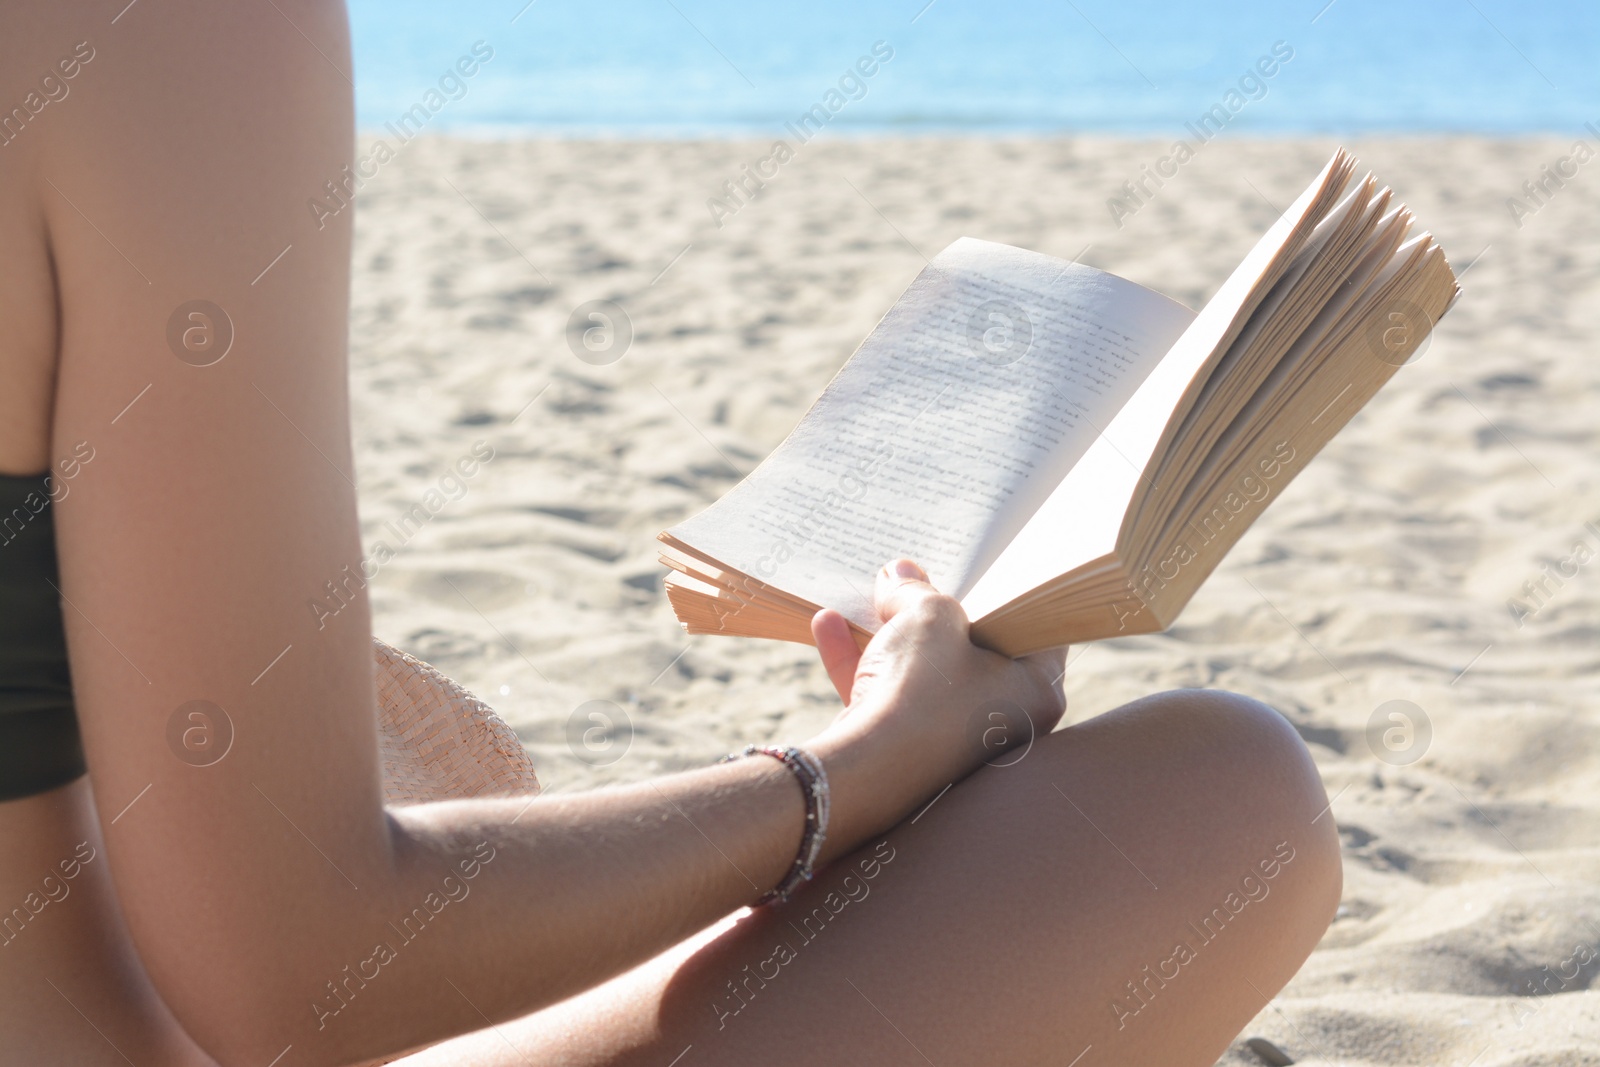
(477, 133)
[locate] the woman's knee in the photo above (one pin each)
(1223, 740)
(1234, 773)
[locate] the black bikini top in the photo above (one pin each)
(39, 744)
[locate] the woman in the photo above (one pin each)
(1130, 892)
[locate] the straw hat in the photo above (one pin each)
(436, 741)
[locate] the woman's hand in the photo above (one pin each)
(924, 705)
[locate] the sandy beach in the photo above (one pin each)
(1437, 554)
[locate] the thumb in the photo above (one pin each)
(901, 586)
(836, 644)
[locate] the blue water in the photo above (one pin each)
(697, 67)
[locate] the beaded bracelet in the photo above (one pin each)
(813, 779)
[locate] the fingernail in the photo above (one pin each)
(904, 568)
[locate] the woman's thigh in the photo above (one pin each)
(1131, 891)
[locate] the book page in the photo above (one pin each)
(952, 423)
(1085, 517)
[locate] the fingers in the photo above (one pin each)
(1053, 660)
(836, 644)
(1051, 666)
(903, 586)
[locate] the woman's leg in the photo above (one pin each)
(1130, 892)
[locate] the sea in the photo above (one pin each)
(737, 68)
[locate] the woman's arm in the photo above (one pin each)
(273, 899)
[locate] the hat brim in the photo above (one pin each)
(436, 741)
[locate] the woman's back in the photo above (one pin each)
(53, 878)
(72, 989)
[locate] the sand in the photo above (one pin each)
(1383, 574)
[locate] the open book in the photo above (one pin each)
(1067, 453)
